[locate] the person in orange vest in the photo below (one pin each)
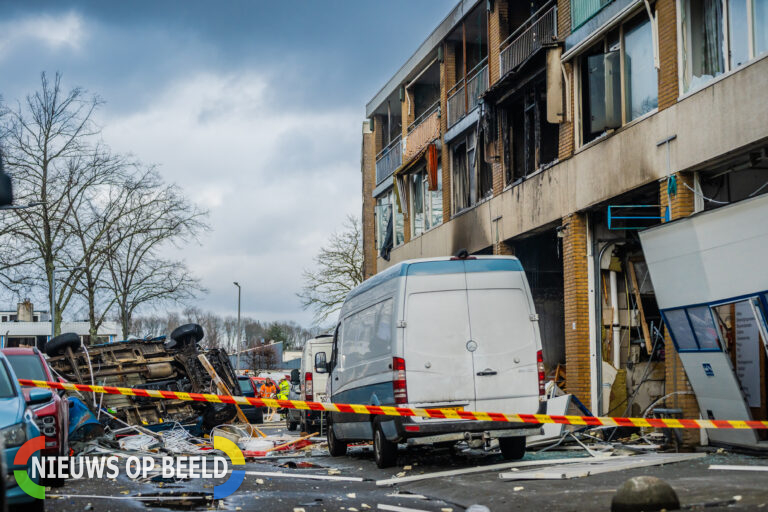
(268, 389)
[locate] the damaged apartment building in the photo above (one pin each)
(557, 131)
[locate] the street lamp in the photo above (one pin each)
(53, 295)
(237, 339)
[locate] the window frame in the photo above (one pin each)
(692, 330)
(426, 198)
(724, 27)
(635, 18)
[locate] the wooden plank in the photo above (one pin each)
(224, 390)
(643, 323)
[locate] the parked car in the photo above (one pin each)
(458, 333)
(311, 383)
(52, 417)
(17, 426)
(248, 388)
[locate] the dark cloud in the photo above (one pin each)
(255, 108)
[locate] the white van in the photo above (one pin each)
(443, 332)
(311, 383)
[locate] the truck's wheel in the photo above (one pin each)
(385, 452)
(335, 447)
(60, 343)
(512, 448)
(291, 425)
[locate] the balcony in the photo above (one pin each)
(389, 159)
(536, 31)
(465, 95)
(422, 131)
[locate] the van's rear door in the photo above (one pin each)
(504, 333)
(438, 366)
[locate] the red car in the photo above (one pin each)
(52, 417)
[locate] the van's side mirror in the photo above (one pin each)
(295, 379)
(321, 365)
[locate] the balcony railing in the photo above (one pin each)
(456, 103)
(422, 131)
(539, 29)
(460, 103)
(389, 159)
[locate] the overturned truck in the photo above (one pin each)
(169, 364)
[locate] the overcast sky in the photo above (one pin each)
(254, 107)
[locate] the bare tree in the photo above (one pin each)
(339, 268)
(139, 274)
(49, 148)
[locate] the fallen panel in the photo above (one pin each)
(482, 469)
(738, 468)
(597, 467)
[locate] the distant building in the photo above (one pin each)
(25, 327)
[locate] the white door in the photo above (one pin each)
(506, 378)
(438, 365)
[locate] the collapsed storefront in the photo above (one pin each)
(712, 289)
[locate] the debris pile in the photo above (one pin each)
(161, 363)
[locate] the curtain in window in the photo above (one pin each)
(711, 56)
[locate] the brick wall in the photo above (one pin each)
(563, 19)
(447, 80)
(682, 205)
(503, 248)
(576, 305)
(668, 90)
(368, 171)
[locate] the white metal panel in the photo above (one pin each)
(718, 394)
(709, 256)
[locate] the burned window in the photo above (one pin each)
(472, 177)
(426, 204)
(530, 141)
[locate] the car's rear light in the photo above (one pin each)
(399, 385)
(309, 390)
(540, 369)
(412, 428)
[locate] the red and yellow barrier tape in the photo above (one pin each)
(405, 411)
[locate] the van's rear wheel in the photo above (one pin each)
(335, 447)
(512, 448)
(385, 452)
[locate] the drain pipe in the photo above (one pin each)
(598, 341)
(616, 326)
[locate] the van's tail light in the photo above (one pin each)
(542, 377)
(309, 389)
(398, 381)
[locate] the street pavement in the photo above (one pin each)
(698, 487)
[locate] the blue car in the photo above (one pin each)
(17, 426)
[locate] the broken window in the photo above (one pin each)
(427, 205)
(706, 50)
(460, 178)
(605, 104)
(702, 25)
(532, 142)
(385, 207)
